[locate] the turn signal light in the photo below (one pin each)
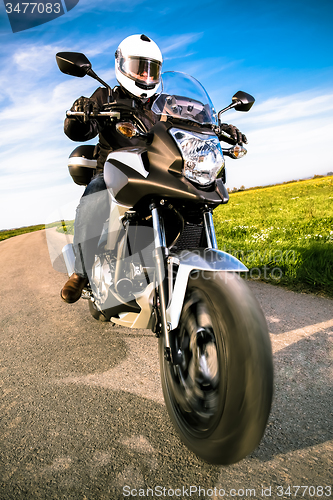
(127, 129)
(238, 151)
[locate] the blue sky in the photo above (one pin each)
(279, 51)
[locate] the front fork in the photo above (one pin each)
(210, 229)
(161, 254)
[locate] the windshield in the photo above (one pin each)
(183, 97)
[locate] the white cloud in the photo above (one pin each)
(292, 108)
(33, 147)
(38, 205)
(33, 58)
(288, 139)
(174, 43)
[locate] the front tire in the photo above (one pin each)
(219, 395)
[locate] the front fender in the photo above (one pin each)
(204, 259)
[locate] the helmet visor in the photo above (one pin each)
(139, 69)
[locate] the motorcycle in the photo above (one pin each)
(160, 267)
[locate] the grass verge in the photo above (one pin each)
(282, 233)
(4, 235)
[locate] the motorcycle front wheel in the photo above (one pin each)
(219, 394)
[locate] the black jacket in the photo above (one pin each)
(109, 138)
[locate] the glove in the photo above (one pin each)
(236, 136)
(87, 106)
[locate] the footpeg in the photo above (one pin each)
(86, 294)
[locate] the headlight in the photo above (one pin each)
(202, 154)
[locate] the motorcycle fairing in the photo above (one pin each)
(129, 187)
(144, 318)
(131, 157)
(204, 259)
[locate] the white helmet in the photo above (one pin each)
(138, 65)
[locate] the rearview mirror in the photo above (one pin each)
(246, 101)
(241, 101)
(73, 63)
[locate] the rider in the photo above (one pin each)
(138, 63)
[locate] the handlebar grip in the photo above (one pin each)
(225, 137)
(111, 114)
(74, 113)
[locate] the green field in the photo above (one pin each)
(282, 233)
(9, 233)
(4, 235)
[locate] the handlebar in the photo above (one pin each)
(112, 114)
(235, 151)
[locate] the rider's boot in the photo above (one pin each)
(73, 288)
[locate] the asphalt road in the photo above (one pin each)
(82, 414)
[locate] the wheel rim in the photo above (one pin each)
(196, 384)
